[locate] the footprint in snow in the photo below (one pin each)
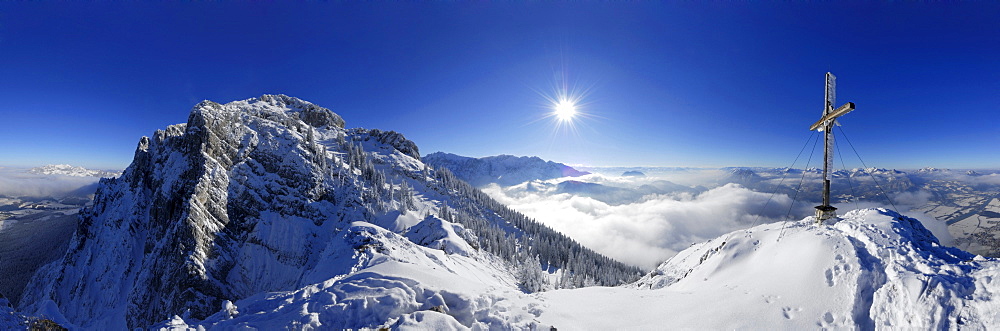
(833, 273)
(790, 312)
(827, 320)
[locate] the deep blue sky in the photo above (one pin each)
(684, 84)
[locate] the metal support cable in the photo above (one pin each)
(773, 192)
(868, 172)
(797, 189)
(853, 194)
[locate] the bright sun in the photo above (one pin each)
(565, 110)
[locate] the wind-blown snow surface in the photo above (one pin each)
(393, 283)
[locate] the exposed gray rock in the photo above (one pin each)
(190, 206)
(391, 138)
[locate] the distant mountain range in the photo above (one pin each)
(68, 170)
(505, 170)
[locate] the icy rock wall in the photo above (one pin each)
(245, 181)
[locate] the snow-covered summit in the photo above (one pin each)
(505, 170)
(871, 269)
(743, 176)
(69, 170)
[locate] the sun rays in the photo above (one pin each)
(565, 107)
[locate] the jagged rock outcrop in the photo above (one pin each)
(193, 221)
(391, 138)
(436, 233)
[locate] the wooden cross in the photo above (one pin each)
(825, 124)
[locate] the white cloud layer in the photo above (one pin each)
(16, 182)
(646, 233)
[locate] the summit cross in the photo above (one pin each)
(825, 124)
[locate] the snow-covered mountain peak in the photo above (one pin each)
(267, 105)
(272, 194)
(198, 200)
(871, 268)
(870, 231)
(234, 202)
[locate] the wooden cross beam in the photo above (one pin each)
(840, 111)
(825, 124)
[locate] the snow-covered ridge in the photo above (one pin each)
(250, 205)
(69, 170)
(505, 170)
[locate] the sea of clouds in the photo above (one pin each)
(651, 229)
(19, 182)
(648, 231)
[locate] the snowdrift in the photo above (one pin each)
(395, 284)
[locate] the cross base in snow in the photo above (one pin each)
(825, 212)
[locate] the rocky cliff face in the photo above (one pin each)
(193, 220)
(248, 197)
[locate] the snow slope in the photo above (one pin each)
(395, 283)
(870, 270)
